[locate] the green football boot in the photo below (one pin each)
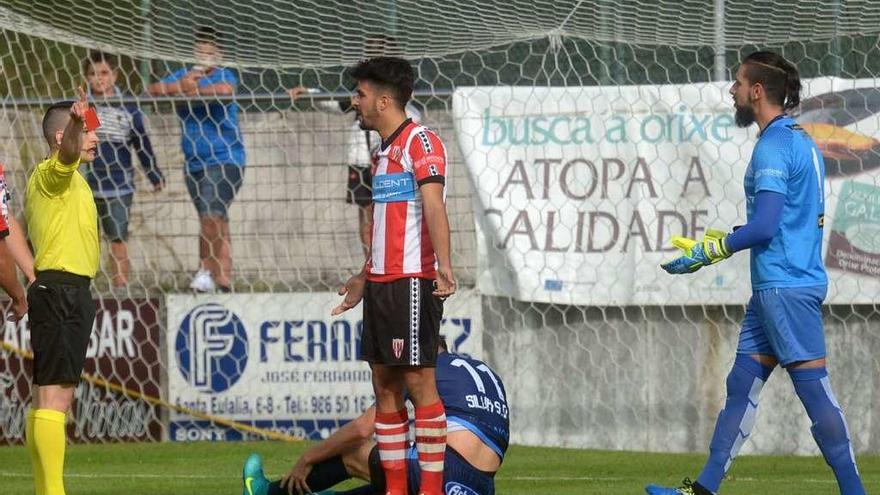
(255, 482)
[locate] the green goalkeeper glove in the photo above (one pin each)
(698, 254)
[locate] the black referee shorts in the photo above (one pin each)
(401, 323)
(60, 313)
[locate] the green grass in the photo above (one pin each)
(214, 468)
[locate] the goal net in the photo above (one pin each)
(581, 137)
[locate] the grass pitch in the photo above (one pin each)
(215, 469)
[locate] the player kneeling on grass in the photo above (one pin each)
(478, 432)
(784, 186)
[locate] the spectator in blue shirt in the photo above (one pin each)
(214, 153)
(111, 174)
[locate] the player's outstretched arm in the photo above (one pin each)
(347, 439)
(438, 230)
(717, 245)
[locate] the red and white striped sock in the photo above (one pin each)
(391, 430)
(431, 445)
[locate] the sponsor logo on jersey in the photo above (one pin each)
(389, 188)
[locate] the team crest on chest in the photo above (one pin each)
(396, 153)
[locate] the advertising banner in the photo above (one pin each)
(579, 189)
(279, 361)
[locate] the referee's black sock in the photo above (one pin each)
(324, 475)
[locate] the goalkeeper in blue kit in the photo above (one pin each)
(784, 187)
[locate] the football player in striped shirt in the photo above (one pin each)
(407, 275)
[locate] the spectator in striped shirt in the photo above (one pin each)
(122, 135)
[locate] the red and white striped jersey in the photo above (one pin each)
(401, 247)
(4, 204)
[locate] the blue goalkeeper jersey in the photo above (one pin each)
(474, 399)
(787, 161)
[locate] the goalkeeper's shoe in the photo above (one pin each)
(687, 488)
(255, 482)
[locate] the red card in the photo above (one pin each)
(91, 119)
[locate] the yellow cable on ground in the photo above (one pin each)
(163, 403)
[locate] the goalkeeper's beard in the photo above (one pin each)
(744, 115)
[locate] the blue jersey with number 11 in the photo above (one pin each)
(474, 399)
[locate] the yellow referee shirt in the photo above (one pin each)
(62, 219)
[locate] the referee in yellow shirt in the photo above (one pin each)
(63, 226)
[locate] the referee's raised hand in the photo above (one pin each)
(81, 106)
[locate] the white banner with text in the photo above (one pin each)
(579, 189)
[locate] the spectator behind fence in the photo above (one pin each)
(111, 174)
(214, 152)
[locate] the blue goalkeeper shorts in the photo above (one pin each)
(459, 477)
(785, 323)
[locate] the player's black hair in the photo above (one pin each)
(96, 57)
(392, 73)
(780, 78)
(55, 119)
(207, 34)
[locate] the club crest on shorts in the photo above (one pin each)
(397, 347)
